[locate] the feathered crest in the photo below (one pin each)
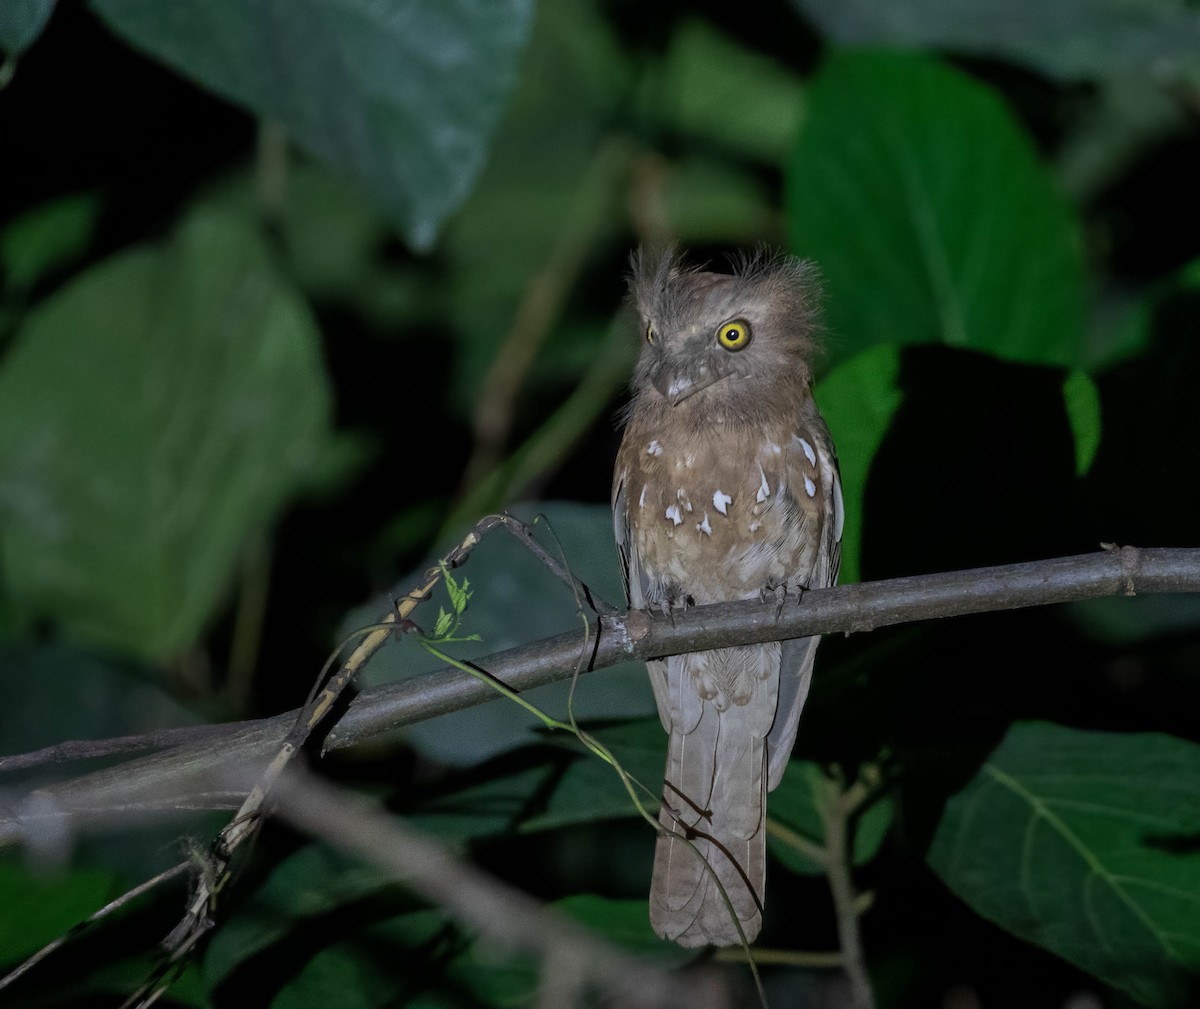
(663, 287)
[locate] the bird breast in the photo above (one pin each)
(724, 516)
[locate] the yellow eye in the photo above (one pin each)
(649, 332)
(734, 335)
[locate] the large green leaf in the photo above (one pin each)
(1159, 39)
(1086, 843)
(858, 399)
(36, 907)
(154, 414)
(21, 22)
(931, 219)
(47, 237)
(401, 94)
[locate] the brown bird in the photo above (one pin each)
(725, 487)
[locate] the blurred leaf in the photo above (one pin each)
(1082, 401)
(797, 804)
(1126, 116)
(625, 923)
(1076, 41)
(1128, 325)
(21, 22)
(516, 600)
(590, 790)
(36, 907)
(402, 95)
(550, 194)
(713, 88)
(1127, 620)
(562, 785)
(353, 971)
(712, 202)
(858, 400)
(47, 237)
(107, 699)
(306, 884)
(1086, 843)
(931, 219)
(153, 414)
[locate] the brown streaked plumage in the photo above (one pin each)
(725, 487)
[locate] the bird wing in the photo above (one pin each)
(826, 522)
(636, 591)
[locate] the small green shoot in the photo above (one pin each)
(445, 629)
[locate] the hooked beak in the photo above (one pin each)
(678, 387)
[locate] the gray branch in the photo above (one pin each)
(184, 775)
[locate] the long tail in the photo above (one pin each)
(715, 795)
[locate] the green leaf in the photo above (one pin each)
(21, 22)
(459, 592)
(47, 237)
(1086, 843)
(36, 907)
(625, 923)
(567, 785)
(555, 183)
(307, 884)
(154, 414)
(351, 973)
(589, 790)
(1082, 401)
(444, 621)
(1125, 620)
(402, 95)
(515, 600)
(1158, 39)
(712, 88)
(930, 217)
(107, 699)
(798, 802)
(858, 400)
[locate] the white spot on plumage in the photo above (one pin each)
(839, 510)
(654, 448)
(690, 460)
(673, 514)
(808, 451)
(773, 448)
(754, 526)
(721, 501)
(810, 488)
(764, 488)
(642, 499)
(704, 526)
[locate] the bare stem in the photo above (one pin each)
(836, 813)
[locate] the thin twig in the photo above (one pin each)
(208, 884)
(113, 905)
(523, 532)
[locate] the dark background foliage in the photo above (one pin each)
(291, 296)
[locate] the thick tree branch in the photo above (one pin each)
(183, 776)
